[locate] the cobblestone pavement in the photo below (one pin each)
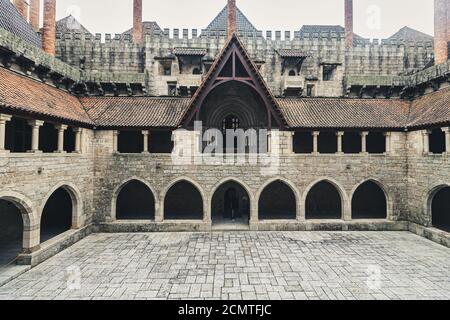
(242, 265)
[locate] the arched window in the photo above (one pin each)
(440, 209)
(135, 202)
(11, 232)
(292, 73)
(369, 202)
(437, 141)
(57, 215)
(230, 202)
(277, 201)
(323, 202)
(183, 201)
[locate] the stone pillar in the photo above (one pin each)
(447, 140)
(78, 140)
(146, 134)
(426, 142)
(49, 28)
(339, 135)
(440, 31)
(364, 135)
(3, 119)
(137, 21)
(232, 28)
(35, 125)
(388, 136)
(349, 23)
(35, 13)
(22, 7)
(115, 141)
(315, 135)
(61, 128)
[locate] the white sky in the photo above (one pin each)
(372, 18)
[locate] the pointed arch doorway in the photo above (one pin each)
(230, 206)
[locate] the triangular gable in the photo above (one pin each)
(233, 64)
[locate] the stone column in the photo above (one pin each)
(137, 21)
(426, 142)
(61, 128)
(49, 28)
(388, 136)
(440, 31)
(146, 134)
(447, 140)
(35, 125)
(115, 141)
(339, 135)
(349, 23)
(315, 135)
(78, 140)
(232, 28)
(3, 119)
(35, 12)
(22, 7)
(364, 135)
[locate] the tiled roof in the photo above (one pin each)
(135, 111)
(292, 53)
(12, 21)
(190, 52)
(70, 24)
(220, 22)
(147, 27)
(20, 93)
(431, 109)
(344, 113)
(410, 34)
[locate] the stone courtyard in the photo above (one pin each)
(241, 265)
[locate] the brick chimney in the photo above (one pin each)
(137, 21)
(22, 7)
(440, 31)
(232, 28)
(349, 23)
(49, 29)
(35, 7)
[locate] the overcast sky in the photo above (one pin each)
(373, 18)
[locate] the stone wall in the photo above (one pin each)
(119, 54)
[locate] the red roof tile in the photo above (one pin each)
(21, 93)
(431, 109)
(135, 111)
(344, 113)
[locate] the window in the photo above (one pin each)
(437, 141)
(172, 90)
(167, 70)
(310, 90)
(376, 143)
(18, 135)
(328, 72)
(292, 73)
(131, 142)
(196, 71)
(303, 142)
(327, 142)
(48, 138)
(351, 142)
(160, 142)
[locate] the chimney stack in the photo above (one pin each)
(35, 11)
(232, 29)
(137, 21)
(349, 23)
(49, 29)
(22, 7)
(440, 31)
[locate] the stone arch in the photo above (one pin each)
(195, 186)
(119, 188)
(30, 237)
(344, 203)
(230, 180)
(437, 219)
(388, 199)
(290, 185)
(76, 198)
